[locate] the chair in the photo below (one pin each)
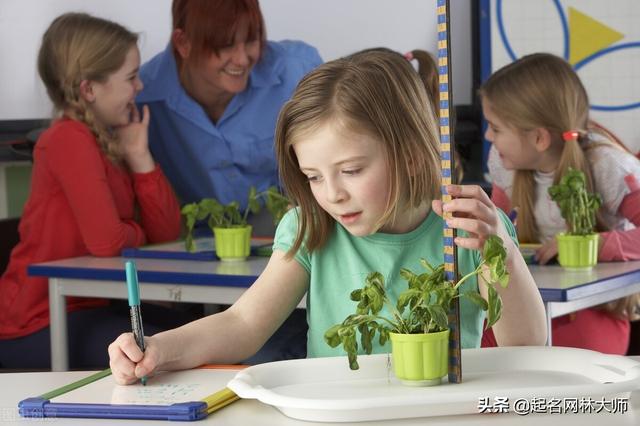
(10, 237)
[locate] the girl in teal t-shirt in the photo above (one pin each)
(357, 148)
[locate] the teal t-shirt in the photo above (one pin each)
(342, 265)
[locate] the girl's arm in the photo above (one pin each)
(523, 320)
(159, 209)
(226, 337)
(623, 245)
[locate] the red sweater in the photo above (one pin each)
(80, 204)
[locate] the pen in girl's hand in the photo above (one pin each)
(134, 307)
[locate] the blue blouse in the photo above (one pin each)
(221, 160)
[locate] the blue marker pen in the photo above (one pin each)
(134, 307)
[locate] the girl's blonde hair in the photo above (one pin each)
(78, 47)
(375, 92)
(541, 90)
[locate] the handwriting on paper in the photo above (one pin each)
(156, 394)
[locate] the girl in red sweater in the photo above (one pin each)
(95, 189)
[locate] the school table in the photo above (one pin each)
(566, 291)
(16, 386)
(223, 282)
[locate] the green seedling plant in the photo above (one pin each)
(422, 307)
(577, 206)
(230, 215)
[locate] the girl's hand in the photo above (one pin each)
(473, 212)
(134, 141)
(128, 363)
(547, 252)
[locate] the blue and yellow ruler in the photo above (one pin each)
(448, 177)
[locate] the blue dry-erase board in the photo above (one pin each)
(204, 250)
(180, 395)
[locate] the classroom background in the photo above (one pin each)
(599, 40)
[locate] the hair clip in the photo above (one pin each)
(408, 56)
(571, 135)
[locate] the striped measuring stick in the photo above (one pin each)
(448, 177)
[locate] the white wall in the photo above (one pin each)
(340, 27)
(22, 23)
(335, 27)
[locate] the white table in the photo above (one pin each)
(17, 386)
(223, 282)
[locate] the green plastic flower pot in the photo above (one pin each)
(233, 244)
(577, 252)
(420, 359)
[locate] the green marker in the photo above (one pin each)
(134, 307)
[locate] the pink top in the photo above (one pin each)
(617, 179)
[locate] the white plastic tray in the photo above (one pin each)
(324, 389)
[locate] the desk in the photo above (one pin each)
(223, 282)
(565, 291)
(16, 386)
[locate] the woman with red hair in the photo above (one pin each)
(215, 94)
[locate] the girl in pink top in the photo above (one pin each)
(529, 105)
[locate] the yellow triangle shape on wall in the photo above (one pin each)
(587, 36)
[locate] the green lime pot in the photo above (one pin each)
(420, 359)
(233, 244)
(577, 252)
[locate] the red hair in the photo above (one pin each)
(211, 25)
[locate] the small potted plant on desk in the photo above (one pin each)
(232, 234)
(418, 323)
(578, 247)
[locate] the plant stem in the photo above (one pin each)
(400, 326)
(469, 275)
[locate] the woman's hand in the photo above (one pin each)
(473, 212)
(134, 141)
(128, 363)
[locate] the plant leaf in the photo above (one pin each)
(439, 316)
(476, 299)
(356, 295)
(189, 244)
(253, 205)
(577, 206)
(277, 204)
(331, 336)
(365, 337)
(495, 307)
(406, 297)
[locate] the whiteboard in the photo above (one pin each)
(164, 388)
(600, 39)
(335, 27)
